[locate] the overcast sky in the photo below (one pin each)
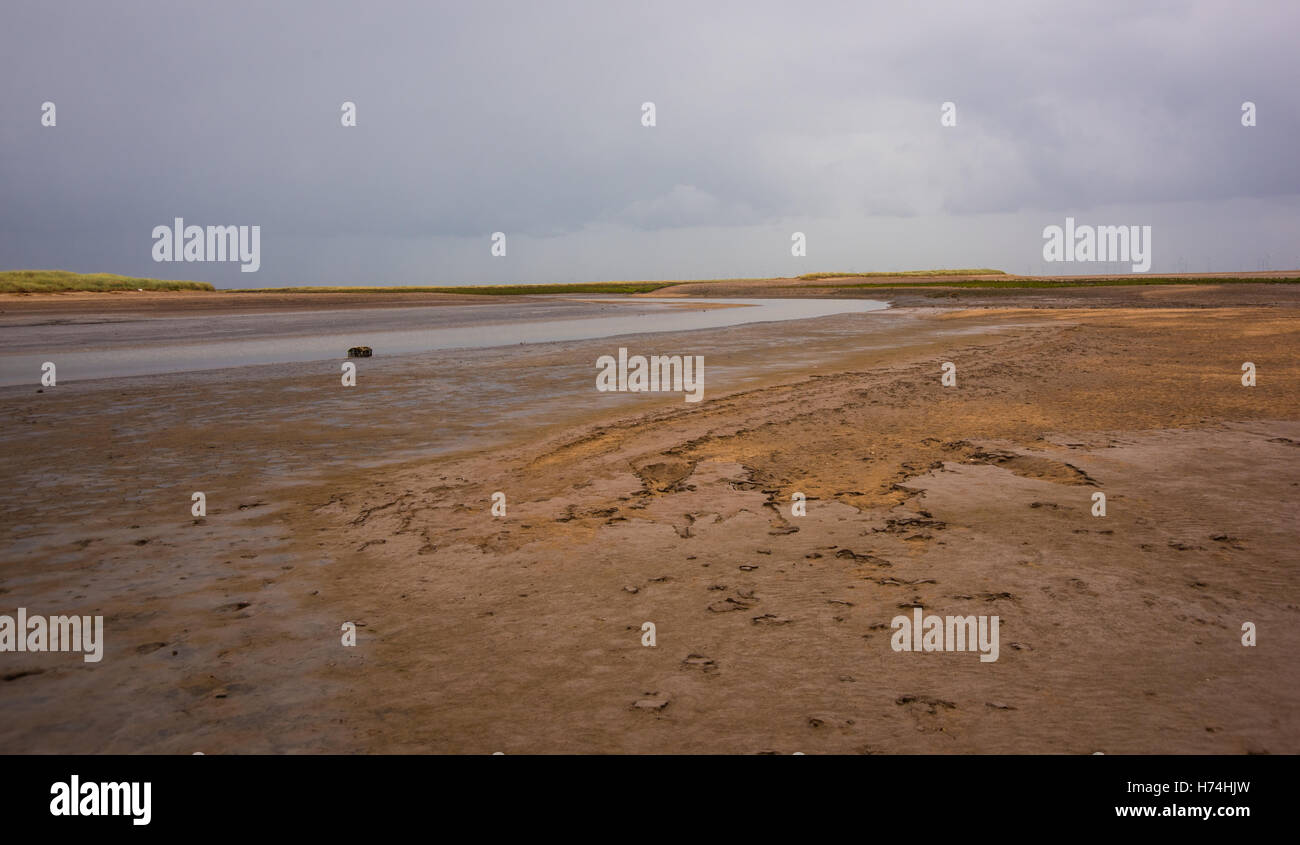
(526, 118)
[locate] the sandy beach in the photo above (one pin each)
(523, 633)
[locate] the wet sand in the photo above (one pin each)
(88, 347)
(522, 634)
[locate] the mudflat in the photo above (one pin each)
(523, 633)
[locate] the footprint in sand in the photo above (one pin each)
(699, 661)
(1227, 540)
(21, 673)
(923, 710)
(848, 554)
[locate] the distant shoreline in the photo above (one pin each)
(26, 283)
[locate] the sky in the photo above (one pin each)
(527, 119)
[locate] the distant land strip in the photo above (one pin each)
(1081, 282)
(61, 281)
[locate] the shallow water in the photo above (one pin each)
(115, 348)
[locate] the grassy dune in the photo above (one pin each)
(1032, 282)
(484, 290)
(51, 281)
(970, 272)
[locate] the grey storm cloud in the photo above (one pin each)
(526, 119)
